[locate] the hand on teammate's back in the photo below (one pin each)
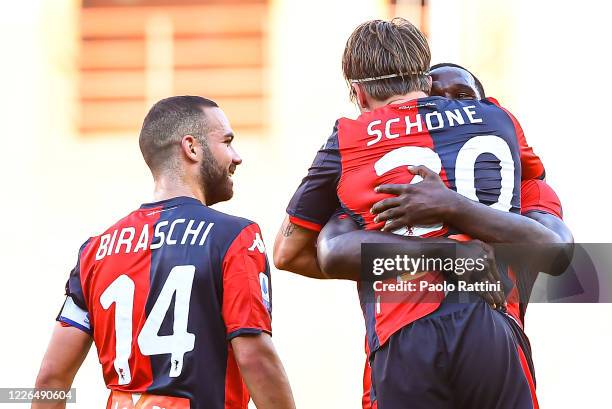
(424, 203)
(429, 202)
(475, 250)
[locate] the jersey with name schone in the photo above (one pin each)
(476, 147)
(162, 292)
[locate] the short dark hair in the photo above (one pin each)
(479, 86)
(379, 48)
(167, 122)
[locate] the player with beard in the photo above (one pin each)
(176, 296)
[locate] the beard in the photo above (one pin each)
(216, 182)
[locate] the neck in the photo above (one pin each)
(168, 187)
(396, 99)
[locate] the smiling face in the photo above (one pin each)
(220, 159)
(454, 83)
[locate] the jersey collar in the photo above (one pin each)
(172, 202)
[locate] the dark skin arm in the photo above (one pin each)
(552, 223)
(295, 247)
(560, 255)
(541, 239)
(339, 243)
(295, 250)
(430, 201)
(339, 252)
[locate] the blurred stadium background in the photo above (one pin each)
(78, 76)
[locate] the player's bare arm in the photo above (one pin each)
(339, 252)
(557, 225)
(339, 243)
(430, 201)
(263, 371)
(65, 354)
(295, 250)
(553, 223)
(201, 272)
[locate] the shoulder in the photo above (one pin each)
(494, 114)
(238, 235)
(228, 227)
(331, 142)
(493, 105)
(230, 221)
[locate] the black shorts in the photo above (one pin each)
(463, 355)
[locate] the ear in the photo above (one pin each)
(361, 98)
(429, 82)
(188, 147)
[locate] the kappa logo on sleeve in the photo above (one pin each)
(258, 244)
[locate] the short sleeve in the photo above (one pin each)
(316, 199)
(247, 292)
(537, 195)
(74, 310)
(71, 315)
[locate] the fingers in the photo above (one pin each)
(494, 298)
(422, 171)
(385, 204)
(387, 215)
(393, 189)
(488, 299)
(491, 278)
(498, 295)
(493, 271)
(494, 278)
(394, 225)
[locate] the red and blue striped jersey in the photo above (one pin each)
(536, 195)
(165, 289)
(477, 147)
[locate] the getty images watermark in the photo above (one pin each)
(406, 268)
(559, 273)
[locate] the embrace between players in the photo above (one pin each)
(177, 296)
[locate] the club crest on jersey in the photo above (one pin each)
(264, 282)
(258, 244)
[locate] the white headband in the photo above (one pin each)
(383, 77)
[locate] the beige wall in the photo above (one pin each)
(59, 188)
(542, 60)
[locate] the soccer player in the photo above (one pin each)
(539, 202)
(176, 296)
(340, 239)
(432, 200)
(466, 143)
